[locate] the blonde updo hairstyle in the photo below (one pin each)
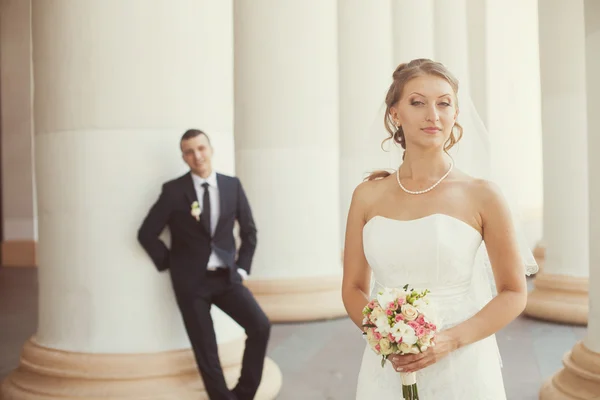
(404, 73)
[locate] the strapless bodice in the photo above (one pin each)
(436, 252)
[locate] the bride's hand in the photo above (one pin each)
(444, 345)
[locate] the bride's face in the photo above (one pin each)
(426, 111)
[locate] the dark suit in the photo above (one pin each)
(196, 289)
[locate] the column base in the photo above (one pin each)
(559, 298)
(299, 299)
(49, 374)
(578, 380)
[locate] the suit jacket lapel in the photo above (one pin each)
(188, 188)
(223, 191)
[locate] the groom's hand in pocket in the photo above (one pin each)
(444, 345)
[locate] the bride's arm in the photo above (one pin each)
(509, 274)
(507, 265)
(356, 279)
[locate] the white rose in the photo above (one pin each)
(410, 313)
(386, 346)
(408, 349)
(425, 340)
(377, 313)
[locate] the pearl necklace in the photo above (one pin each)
(424, 190)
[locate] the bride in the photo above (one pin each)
(426, 225)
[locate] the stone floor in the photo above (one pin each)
(319, 360)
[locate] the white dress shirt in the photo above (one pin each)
(214, 261)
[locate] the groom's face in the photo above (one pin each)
(197, 154)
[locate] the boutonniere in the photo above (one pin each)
(196, 210)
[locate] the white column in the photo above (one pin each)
(514, 106)
(451, 38)
(560, 292)
(413, 29)
(365, 67)
(18, 198)
(287, 152)
(592, 25)
(413, 37)
(116, 85)
(476, 36)
(580, 377)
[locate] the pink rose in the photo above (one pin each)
(389, 312)
(421, 319)
(401, 301)
(392, 306)
(432, 327)
(377, 335)
(399, 317)
(371, 304)
(391, 338)
(378, 347)
(413, 325)
(419, 331)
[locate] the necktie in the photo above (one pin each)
(205, 216)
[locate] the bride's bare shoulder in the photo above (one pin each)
(370, 190)
(486, 193)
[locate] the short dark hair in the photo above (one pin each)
(192, 133)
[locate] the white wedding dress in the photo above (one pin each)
(440, 253)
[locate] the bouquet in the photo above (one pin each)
(397, 322)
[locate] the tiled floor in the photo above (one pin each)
(319, 360)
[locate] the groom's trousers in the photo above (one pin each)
(235, 300)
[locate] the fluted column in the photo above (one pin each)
(287, 152)
(116, 84)
(476, 37)
(561, 290)
(365, 67)
(451, 38)
(413, 30)
(514, 115)
(580, 377)
(413, 37)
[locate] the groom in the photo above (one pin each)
(200, 209)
